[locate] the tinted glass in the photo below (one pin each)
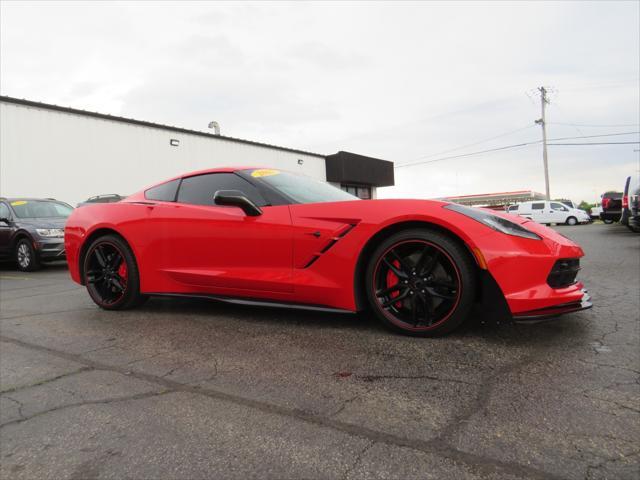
(558, 206)
(199, 190)
(40, 209)
(299, 188)
(4, 211)
(513, 208)
(164, 193)
(537, 206)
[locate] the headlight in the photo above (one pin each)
(493, 221)
(50, 232)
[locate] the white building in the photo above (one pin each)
(48, 151)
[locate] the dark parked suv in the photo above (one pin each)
(611, 207)
(32, 231)
(110, 198)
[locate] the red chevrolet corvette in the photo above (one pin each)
(269, 237)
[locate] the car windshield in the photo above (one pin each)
(300, 188)
(40, 209)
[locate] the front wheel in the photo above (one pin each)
(572, 221)
(421, 283)
(111, 274)
(608, 221)
(26, 256)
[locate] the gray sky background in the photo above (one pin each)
(399, 81)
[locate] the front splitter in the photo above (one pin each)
(555, 310)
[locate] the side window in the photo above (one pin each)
(164, 193)
(537, 206)
(4, 211)
(513, 208)
(199, 190)
(558, 206)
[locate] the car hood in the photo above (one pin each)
(43, 222)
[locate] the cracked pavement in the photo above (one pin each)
(194, 389)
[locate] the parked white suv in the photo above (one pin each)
(549, 212)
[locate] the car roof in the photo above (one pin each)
(207, 170)
(18, 199)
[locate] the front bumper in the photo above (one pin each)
(50, 249)
(553, 311)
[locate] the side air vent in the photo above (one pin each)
(329, 244)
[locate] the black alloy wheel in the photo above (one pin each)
(111, 274)
(26, 256)
(421, 283)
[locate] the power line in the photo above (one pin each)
(468, 154)
(475, 143)
(505, 147)
(597, 143)
(596, 126)
(594, 136)
(518, 145)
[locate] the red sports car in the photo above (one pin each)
(269, 237)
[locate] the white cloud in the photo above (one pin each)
(392, 80)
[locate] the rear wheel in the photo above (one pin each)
(608, 221)
(26, 256)
(572, 221)
(421, 283)
(111, 274)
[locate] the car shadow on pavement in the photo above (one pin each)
(524, 334)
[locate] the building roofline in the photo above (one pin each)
(496, 194)
(143, 123)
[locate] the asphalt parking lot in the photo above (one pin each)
(194, 389)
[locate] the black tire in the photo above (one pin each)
(608, 221)
(111, 274)
(434, 287)
(572, 221)
(26, 256)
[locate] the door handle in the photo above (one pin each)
(315, 234)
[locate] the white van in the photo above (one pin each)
(549, 212)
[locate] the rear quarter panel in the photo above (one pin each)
(126, 219)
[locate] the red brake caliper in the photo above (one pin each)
(392, 279)
(122, 271)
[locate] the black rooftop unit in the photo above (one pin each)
(351, 168)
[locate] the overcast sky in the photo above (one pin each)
(398, 81)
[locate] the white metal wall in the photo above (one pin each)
(70, 157)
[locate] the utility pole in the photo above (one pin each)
(542, 122)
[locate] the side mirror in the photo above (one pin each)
(235, 198)
(4, 220)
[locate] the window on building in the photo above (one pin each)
(537, 206)
(163, 193)
(199, 190)
(360, 191)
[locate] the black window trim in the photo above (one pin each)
(258, 189)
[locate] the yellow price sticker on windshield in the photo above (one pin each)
(18, 203)
(264, 172)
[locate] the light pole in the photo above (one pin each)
(543, 123)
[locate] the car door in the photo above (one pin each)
(538, 212)
(558, 213)
(200, 246)
(6, 230)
